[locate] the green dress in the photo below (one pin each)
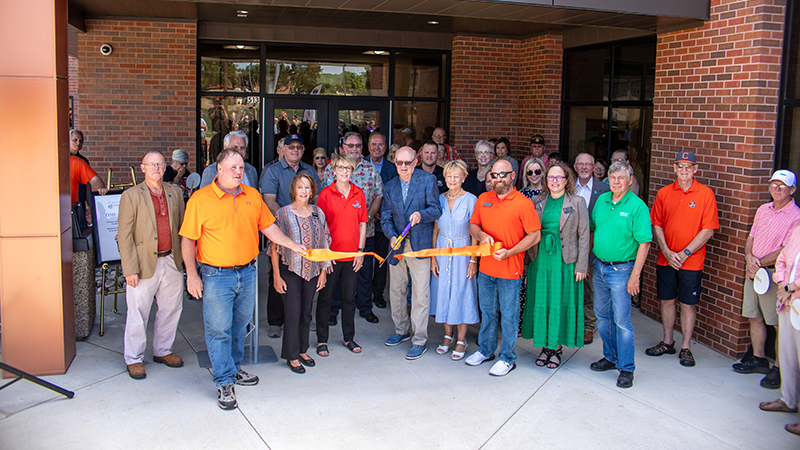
(554, 308)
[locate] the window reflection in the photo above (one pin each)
(419, 75)
(230, 68)
(347, 73)
(221, 115)
(414, 122)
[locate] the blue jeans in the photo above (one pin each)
(498, 295)
(612, 306)
(228, 300)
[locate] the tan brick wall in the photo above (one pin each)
(141, 97)
(717, 89)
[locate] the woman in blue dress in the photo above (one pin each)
(454, 299)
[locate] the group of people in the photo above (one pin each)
(548, 277)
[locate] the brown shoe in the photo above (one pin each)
(136, 371)
(588, 337)
(170, 360)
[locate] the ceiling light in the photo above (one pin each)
(376, 52)
(433, 22)
(242, 13)
(240, 47)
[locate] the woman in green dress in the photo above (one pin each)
(554, 315)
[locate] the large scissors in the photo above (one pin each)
(397, 242)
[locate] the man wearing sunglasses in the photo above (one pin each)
(684, 218)
(501, 215)
(588, 188)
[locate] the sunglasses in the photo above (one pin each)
(537, 172)
(496, 175)
(404, 163)
(555, 178)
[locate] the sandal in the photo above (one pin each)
(544, 356)
(776, 406)
(352, 346)
(442, 349)
(793, 428)
(456, 356)
(322, 350)
(553, 364)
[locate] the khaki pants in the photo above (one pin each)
(166, 286)
(789, 356)
(420, 271)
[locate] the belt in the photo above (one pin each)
(235, 268)
(614, 263)
(163, 254)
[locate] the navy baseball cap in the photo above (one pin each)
(292, 138)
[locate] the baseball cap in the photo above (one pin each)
(180, 155)
(537, 139)
(786, 176)
(292, 138)
(686, 156)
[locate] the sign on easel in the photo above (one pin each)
(105, 209)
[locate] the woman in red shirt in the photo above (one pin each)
(345, 209)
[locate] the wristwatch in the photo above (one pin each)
(786, 288)
(361, 249)
(687, 251)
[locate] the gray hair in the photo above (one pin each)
(621, 166)
(353, 133)
(584, 153)
(75, 130)
(237, 133)
(375, 134)
(484, 143)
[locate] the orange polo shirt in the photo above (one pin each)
(225, 226)
(507, 221)
(682, 215)
(80, 172)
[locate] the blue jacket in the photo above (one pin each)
(423, 196)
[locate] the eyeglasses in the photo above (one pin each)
(353, 145)
(619, 160)
(439, 135)
(294, 147)
(778, 186)
(684, 166)
(558, 178)
(320, 157)
(496, 175)
(156, 165)
(584, 164)
(483, 153)
(401, 163)
(535, 171)
(344, 168)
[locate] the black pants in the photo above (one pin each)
(341, 270)
(297, 308)
(379, 277)
(363, 285)
(274, 302)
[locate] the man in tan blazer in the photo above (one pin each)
(150, 216)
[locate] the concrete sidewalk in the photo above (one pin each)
(380, 400)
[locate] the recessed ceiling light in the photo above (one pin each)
(433, 22)
(240, 47)
(242, 13)
(376, 52)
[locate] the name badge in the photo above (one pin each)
(568, 209)
(487, 204)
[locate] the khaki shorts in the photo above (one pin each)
(755, 306)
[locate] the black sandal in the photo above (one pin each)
(554, 354)
(323, 348)
(352, 346)
(544, 356)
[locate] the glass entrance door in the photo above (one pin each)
(361, 116)
(304, 117)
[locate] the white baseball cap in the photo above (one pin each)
(785, 176)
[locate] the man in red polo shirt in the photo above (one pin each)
(684, 218)
(501, 215)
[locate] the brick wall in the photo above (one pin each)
(717, 90)
(540, 92)
(484, 92)
(73, 75)
(141, 97)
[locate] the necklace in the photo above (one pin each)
(454, 196)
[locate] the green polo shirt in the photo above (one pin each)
(620, 228)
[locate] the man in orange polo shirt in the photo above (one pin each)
(220, 231)
(501, 215)
(80, 172)
(684, 218)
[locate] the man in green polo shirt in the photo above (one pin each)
(621, 225)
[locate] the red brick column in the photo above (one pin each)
(717, 90)
(540, 93)
(141, 97)
(484, 91)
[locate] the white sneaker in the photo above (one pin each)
(501, 368)
(477, 358)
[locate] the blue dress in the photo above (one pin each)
(454, 298)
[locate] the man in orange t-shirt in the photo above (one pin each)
(501, 215)
(220, 231)
(80, 172)
(684, 218)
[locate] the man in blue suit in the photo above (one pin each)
(410, 197)
(379, 243)
(588, 188)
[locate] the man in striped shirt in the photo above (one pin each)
(772, 227)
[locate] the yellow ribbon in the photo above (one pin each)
(324, 254)
(485, 249)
